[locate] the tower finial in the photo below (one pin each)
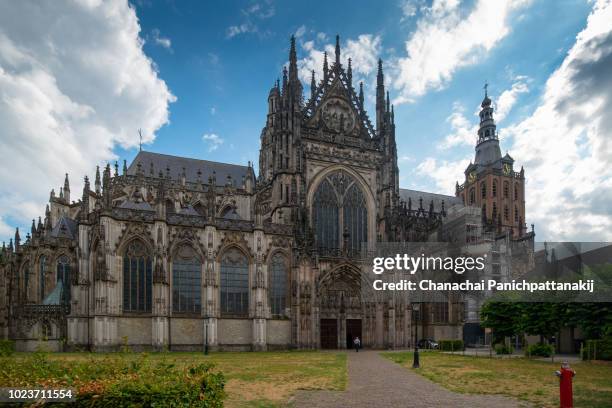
(313, 85)
(337, 50)
(140, 140)
(292, 61)
(486, 86)
(349, 74)
(325, 67)
(361, 95)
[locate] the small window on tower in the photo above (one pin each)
(483, 189)
(472, 196)
(494, 188)
(506, 213)
(506, 189)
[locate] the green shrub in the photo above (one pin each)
(503, 349)
(450, 345)
(540, 350)
(597, 349)
(7, 348)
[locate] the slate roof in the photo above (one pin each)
(55, 297)
(488, 152)
(142, 206)
(414, 195)
(65, 228)
(176, 164)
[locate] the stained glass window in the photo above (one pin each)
(137, 278)
(277, 288)
(63, 274)
(339, 205)
(234, 283)
(355, 217)
(42, 276)
(186, 281)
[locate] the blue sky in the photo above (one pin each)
(195, 77)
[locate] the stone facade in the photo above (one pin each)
(173, 252)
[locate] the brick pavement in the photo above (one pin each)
(374, 381)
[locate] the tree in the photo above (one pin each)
(503, 318)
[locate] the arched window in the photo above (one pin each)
(506, 213)
(45, 328)
(234, 283)
(355, 217)
(472, 195)
(483, 190)
(186, 281)
(63, 275)
(506, 189)
(277, 272)
(494, 212)
(137, 278)
(325, 216)
(494, 189)
(26, 279)
(42, 273)
(484, 211)
(516, 214)
(516, 192)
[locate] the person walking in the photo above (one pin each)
(357, 344)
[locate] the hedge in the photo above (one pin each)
(450, 345)
(539, 350)
(597, 349)
(7, 348)
(503, 349)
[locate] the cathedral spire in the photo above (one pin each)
(17, 239)
(361, 95)
(325, 67)
(380, 97)
(313, 86)
(98, 183)
(337, 51)
(67, 189)
(293, 74)
(284, 82)
(349, 74)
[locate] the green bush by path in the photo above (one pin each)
(450, 345)
(503, 349)
(539, 350)
(598, 349)
(7, 348)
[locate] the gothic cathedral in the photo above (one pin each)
(179, 253)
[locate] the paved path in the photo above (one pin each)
(374, 381)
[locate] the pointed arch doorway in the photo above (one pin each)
(340, 307)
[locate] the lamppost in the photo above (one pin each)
(415, 310)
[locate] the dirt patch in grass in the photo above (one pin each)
(529, 380)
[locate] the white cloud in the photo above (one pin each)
(463, 129)
(409, 8)
(74, 82)
(566, 144)
(161, 41)
(251, 15)
(447, 39)
(213, 111)
(213, 141)
(300, 31)
(508, 98)
(442, 173)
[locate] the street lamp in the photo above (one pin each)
(415, 309)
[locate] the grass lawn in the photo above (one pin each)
(259, 379)
(529, 380)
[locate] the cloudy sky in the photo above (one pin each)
(79, 78)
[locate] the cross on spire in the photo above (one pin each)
(486, 86)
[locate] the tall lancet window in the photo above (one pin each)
(186, 281)
(234, 283)
(325, 216)
(63, 275)
(42, 276)
(339, 206)
(355, 217)
(277, 272)
(137, 278)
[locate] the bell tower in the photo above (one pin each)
(491, 182)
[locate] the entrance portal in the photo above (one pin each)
(329, 333)
(353, 329)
